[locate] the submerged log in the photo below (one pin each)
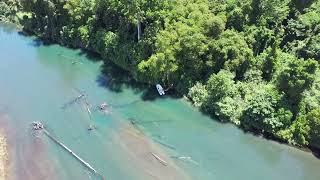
(159, 159)
(73, 154)
(39, 126)
(78, 98)
(164, 144)
(187, 158)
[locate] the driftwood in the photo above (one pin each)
(75, 62)
(187, 158)
(73, 154)
(39, 126)
(88, 109)
(67, 57)
(73, 101)
(164, 144)
(134, 121)
(171, 86)
(124, 105)
(159, 159)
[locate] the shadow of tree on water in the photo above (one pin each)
(112, 76)
(117, 79)
(36, 41)
(315, 152)
(91, 55)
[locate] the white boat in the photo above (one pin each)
(160, 90)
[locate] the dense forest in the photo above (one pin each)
(254, 63)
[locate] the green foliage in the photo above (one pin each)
(298, 77)
(104, 41)
(230, 109)
(261, 110)
(312, 48)
(311, 97)
(269, 65)
(253, 75)
(9, 9)
(303, 35)
(181, 48)
(231, 52)
(237, 19)
(198, 94)
(270, 12)
(4, 9)
(300, 131)
(259, 38)
(79, 11)
(238, 13)
(313, 118)
(215, 26)
(301, 4)
(305, 130)
(219, 86)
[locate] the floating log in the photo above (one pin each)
(88, 109)
(75, 62)
(159, 159)
(164, 144)
(134, 121)
(67, 57)
(73, 101)
(188, 158)
(87, 105)
(168, 88)
(181, 157)
(73, 154)
(124, 105)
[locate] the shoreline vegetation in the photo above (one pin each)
(3, 157)
(251, 63)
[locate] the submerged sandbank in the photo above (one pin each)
(142, 152)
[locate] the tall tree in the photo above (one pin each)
(298, 77)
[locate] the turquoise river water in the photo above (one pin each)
(37, 80)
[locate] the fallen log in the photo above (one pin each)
(164, 144)
(73, 101)
(159, 159)
(187, 158)
(73, 154)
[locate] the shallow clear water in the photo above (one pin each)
(36, 80)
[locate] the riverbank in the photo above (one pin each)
(173, 93)
(216, 150)
(226, 68)
(3, 157)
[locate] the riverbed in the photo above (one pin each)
(38, 82)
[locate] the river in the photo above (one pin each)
(38, 80)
